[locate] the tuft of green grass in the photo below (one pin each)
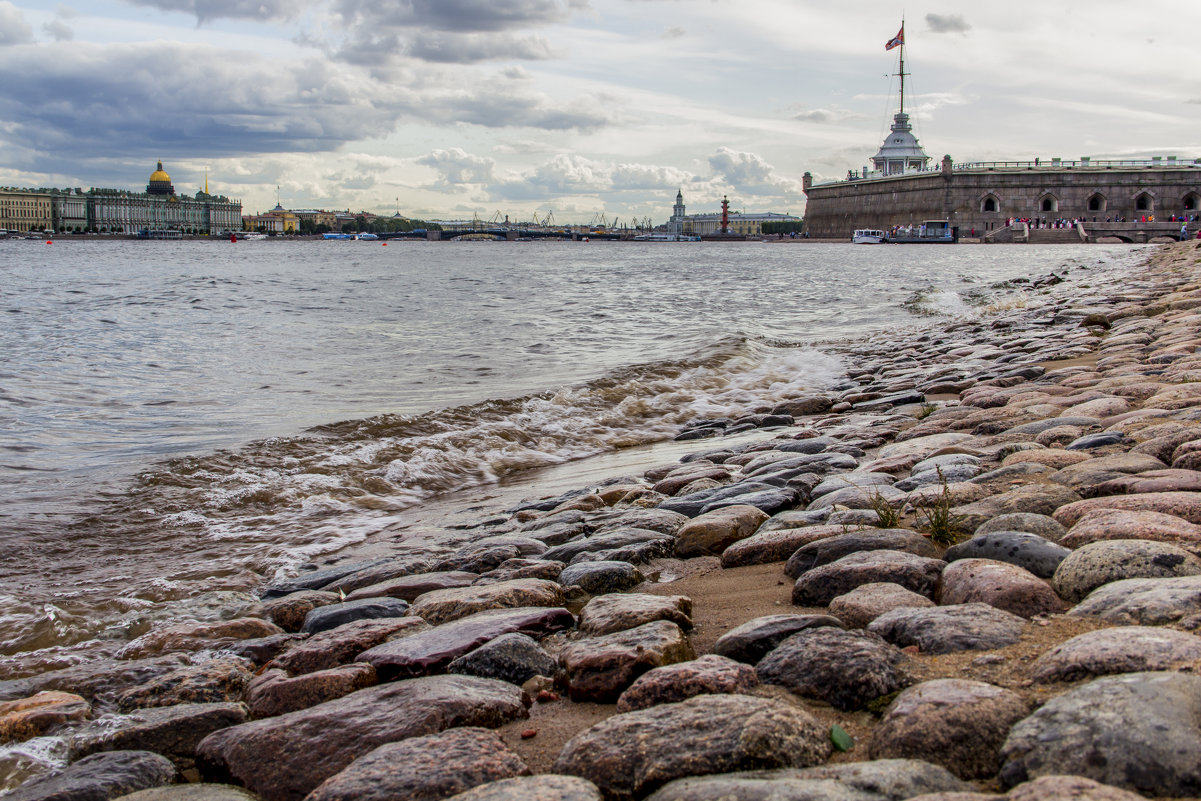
(889, 516)
(943, 525)
(927, 409)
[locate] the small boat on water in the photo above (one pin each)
(868, 236)
(667, 238)
(930, 232)
(367, 235)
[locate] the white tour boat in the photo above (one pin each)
(868, 236)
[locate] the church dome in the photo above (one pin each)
(160, 182)
(159, 175)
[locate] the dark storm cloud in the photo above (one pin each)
(371, 47)
(171, 99)
(464, 16)
(947, 23)
(205, 10)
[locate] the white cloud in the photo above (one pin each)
(13, 27)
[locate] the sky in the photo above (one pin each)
(454, 109)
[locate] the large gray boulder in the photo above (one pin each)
(99, 777)
(878, 780)
(956, 723)
(427, 768)
(945, 629)
(846, 669)
(632, 754)
(284, 758)
(1138, 731)
(1100, 563)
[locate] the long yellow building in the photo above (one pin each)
(120, 211)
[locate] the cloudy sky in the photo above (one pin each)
(455, 108)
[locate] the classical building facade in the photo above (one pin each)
(159, 208)
(741, 223)
(25, 210)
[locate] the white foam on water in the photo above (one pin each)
(39, 756)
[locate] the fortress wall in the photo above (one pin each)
(835, 210)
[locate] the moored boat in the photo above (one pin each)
(930, 232)
(868, 236)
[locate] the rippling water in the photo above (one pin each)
(182, 418)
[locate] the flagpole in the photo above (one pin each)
(902, 65)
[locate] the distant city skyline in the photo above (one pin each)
(457, 108)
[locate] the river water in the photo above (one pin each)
(182, 422)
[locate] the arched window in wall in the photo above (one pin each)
(1096, 202)
(1048, 203)
(1144, 202)
(990, 204)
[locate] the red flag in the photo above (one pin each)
(897, 40)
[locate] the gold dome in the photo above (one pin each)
(159, 175)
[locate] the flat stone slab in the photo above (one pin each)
(606, 614)
(324, 618)
(284, 758)
(955, 723)
(217, 681)
(431, 650)
(601, 577)
(34, 716)
(1151, 481)
(712, 532)
(1137, 731)
(1120, 524)
(999, 584)
(443, 606)
(515, 658)
(197, 637)
(289, 611)
(341, 645)
(171, 731)
(1123, 649)
(878, 780)
(274, 692)
(1085, 475)
(775, 545)
(708, 675)
(945, 629)
(1144, 602)
(632, 754)
(522, 568)
(817, 587)
(830, 549)
(100, 776)
(846, 669)
(1029, 551)
(865, 603)
(1099, 563)
(410, 587)
(191, 792)
(601, 668)
(1179, 504)
(92, 679)
(543, 787)
(755, 638)
(1044, 526)
(607, 541)
(427, 768)
(1043, 499)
